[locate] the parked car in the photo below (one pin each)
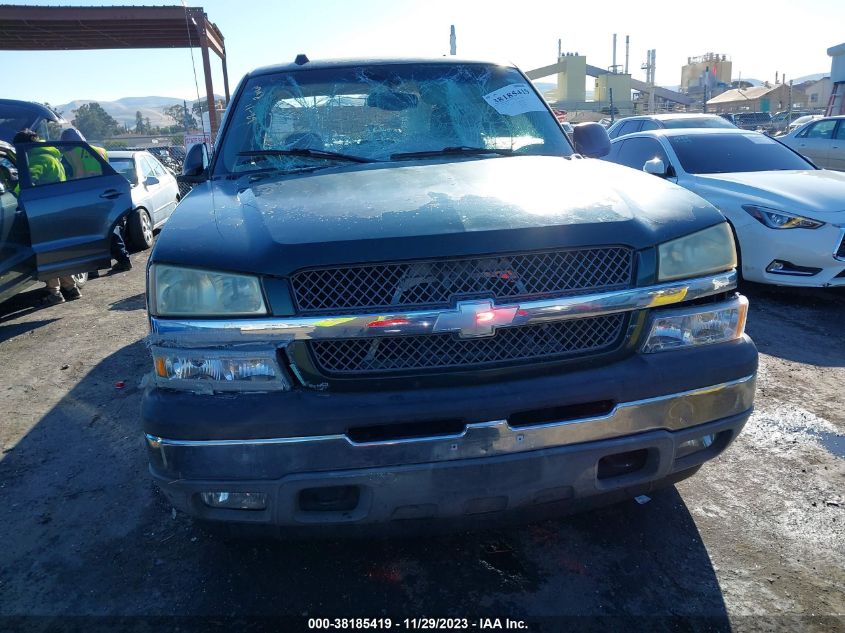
(17, 115)
(781, 120)
(54, 229)
(800, 121)
(786, 214)
(155, 194)
(821, 140)
(749, 120)
(451, 322)
(669, 121)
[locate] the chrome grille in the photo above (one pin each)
(435, 283)
(511, 345)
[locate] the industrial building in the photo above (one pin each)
(765, 98)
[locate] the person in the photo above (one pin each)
(45, 167)
(84, 165)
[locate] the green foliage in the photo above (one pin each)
(112, 144)
(181, 117)
(140, 128)
(94, 122)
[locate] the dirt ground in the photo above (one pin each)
(756, 541)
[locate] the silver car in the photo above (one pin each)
(155, 194)
(822, 141)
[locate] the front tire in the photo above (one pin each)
(140, 226)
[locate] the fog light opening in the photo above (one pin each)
(622, 463)
(694, 445)
(780, 267)
(235, 500)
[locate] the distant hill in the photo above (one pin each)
(123, 110)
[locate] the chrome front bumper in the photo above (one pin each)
(278, 457)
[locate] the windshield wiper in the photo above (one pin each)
(308, 153)
(449, 151)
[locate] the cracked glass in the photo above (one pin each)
(336, 115)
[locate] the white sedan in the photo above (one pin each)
(788, 216)
(155, 194)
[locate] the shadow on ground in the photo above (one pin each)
(85, 532)
(789, 322)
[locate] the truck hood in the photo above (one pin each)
(816, 193)
(384, 212)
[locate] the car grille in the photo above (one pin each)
(436, 283)
(511, 345)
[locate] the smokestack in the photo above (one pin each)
(614, 52)
(776, 78)
(627, 47)
(558, 49)
(452, 41)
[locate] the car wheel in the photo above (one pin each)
(80, 279)
(140, 230)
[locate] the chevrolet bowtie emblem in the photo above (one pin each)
(472, 319)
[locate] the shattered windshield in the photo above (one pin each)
(312, 119)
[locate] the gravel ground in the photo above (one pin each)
(756, 541)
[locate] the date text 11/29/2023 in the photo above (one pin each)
(431, 624)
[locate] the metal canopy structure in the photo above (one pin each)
(28, 28)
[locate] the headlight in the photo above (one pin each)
(217, 370)
(780, 220)
(708, 251)
(697, 325)
(176, 291)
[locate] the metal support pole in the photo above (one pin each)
(209, 88)
(225, 78)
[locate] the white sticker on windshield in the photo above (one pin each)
(514, 99)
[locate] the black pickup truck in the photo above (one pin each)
(397, 294)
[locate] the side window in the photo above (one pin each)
(159, 169)
(629, 127)
(45, 165)
(147, 168)
(635, 152)
(649, 125)
(822, 129)
(80, 162)
(840, 131)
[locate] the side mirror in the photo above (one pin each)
(655, 167)
(195, 164)
(591, 140)
(150, 181)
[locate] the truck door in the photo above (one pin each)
(71, 216)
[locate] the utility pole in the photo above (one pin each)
(789, 116)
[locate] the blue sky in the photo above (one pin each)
(760, 38)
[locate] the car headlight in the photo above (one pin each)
(709, 251)
(697, 325)
(217, 370)
(176, 291)
(780, 220)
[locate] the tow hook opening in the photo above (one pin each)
(620, 464)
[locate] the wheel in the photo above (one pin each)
(140, 236)
(80, 279)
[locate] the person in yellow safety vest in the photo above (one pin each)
(45, 166)
(45, 163)
(82, 163)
